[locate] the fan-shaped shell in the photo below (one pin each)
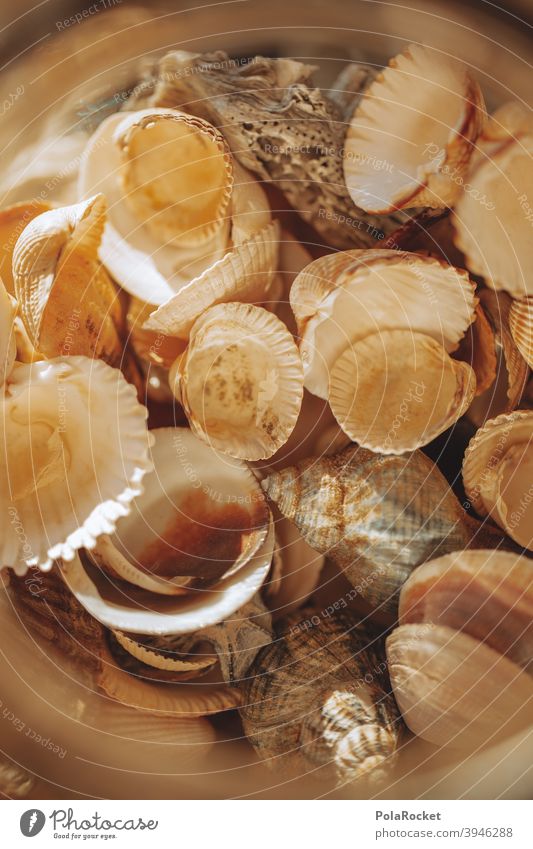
(521, 326)
(75, 450)
(13, 220)
(240, 381)
(318, 701)
(487, 594)
(411, 136)
(8, 345)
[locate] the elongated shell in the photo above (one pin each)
(487, 594)
(395, 391)
(492, 220)
(240, 381)
(8, 345)
(411, 137)
(377, 517)
(342, 298)
(318, 701)
(74, 453)
(68, 303)
(201, 518)
(497, 473)
(521, 326)
(454, 690)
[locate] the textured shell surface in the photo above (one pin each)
(56, 441)
(521, 327)
(454, 690)
(8, 345)
(412, 131)
(488, 594)
(318, 700)
(13, 220)
(376, 516)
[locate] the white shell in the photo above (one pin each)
(8, 345)
(75, 451)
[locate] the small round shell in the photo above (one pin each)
(412, 134)
(74, 453)
(497, 473)
(521, 326)
(240, 381)
(397, 390)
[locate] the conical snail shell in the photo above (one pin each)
(317, 700)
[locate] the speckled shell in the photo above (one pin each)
(318, 700)
(377, 517)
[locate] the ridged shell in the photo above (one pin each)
(396, 390)
(298, 571)
(478, 349)
(377, 517)
(8, 345)
(240, 381)
(497, 473)
(411, 137)
(454, 690)
(13, 220)
(163, 657)
(487, 594)
(342, 298)
(68, 303)
(69, 470)
(521, 326)
(318, 701)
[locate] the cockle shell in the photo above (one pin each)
(280, 127)
(411, 136)
(75, 451)
(478, 349)
(13, 220)
(493, 218)
(454, 690)
(240, 381)
(68, 303)
(342, 298)
(160, 654)
(182, 217)
(376, 517)
(8, 345)
(521, 327)
(191, 485)
(487, 594)
(396, 390)
(498, 473)
(318, 701)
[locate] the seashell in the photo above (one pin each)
(506, 392)
(176, 211)
(376, 517)
(240, 381)
(68, 303)
(396, 390)
(163, 657)
(497, 473)
(344, 297)
(318, 701)
(492, 220)
(152, 347)
(13, 220)
(510, 121)
(521, 327)
(280, 127)
(454, 690)
(8, 346)
(487, 594)
(478, 349)
(200, 518)
(411, 137)
(69, 472)
(298, 572)
(15, 782)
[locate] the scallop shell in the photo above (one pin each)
(492, 220)
(454, 690)
(8, 345)
(521, 327)
(190, 484)
(70, 471)
(68, 303)
(342, 298)
(144, 246)
(163, 657)
(13, 220)
(497, 473)
(318, 701)
(478, 349)
(240, 381)
(397, 390)
(411, 137)
(487, 594)
(376, 517)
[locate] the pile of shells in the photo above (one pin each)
(207, 398)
